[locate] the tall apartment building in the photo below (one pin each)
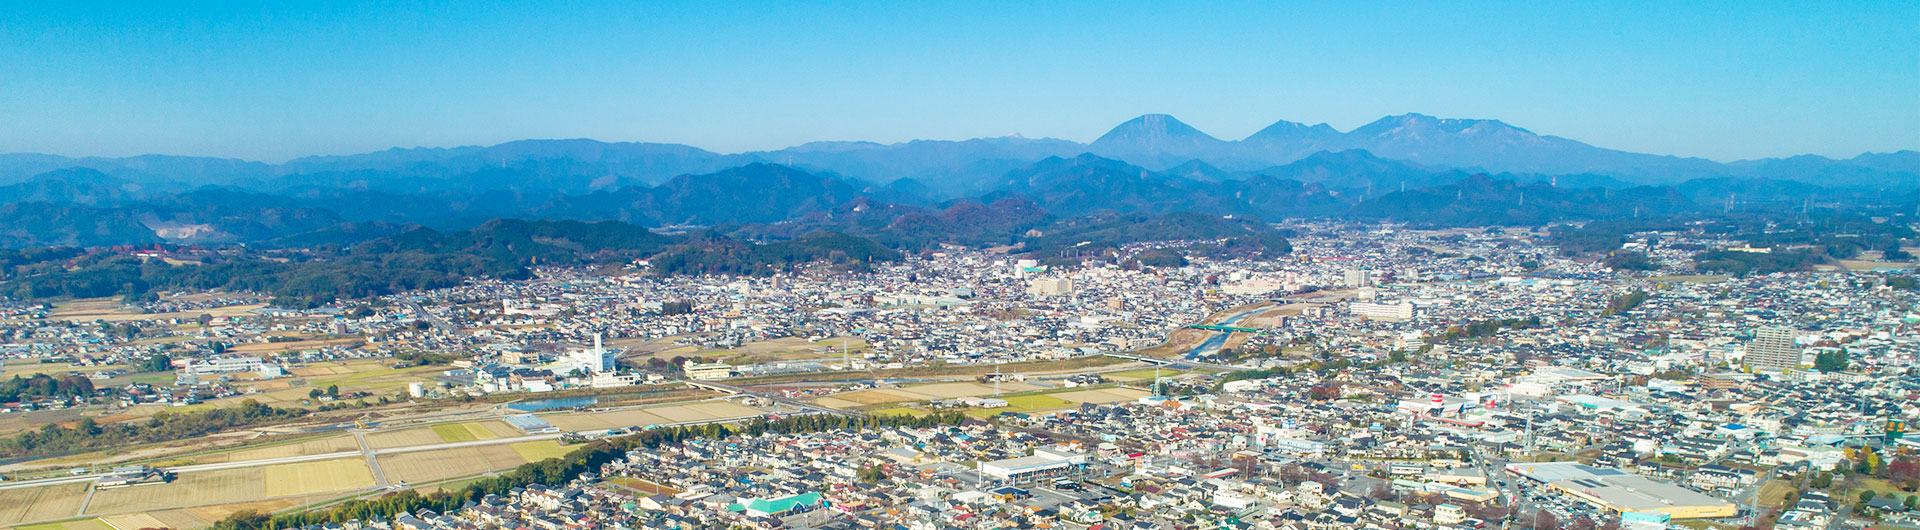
(1773, 350)
(1358, 278)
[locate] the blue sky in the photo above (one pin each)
(1719, 80)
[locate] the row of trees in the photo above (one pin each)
(559, 470)
(86, 435)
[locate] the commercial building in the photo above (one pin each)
(1623, 493)
(1773, 350)
(1398, 311)
(1051, 287)
(708, 371)
(1044, 463)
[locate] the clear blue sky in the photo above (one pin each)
(1727, 81)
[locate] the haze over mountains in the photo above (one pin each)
(1410, 167)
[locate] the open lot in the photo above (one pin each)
(40, 504)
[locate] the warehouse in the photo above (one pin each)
(531, 424)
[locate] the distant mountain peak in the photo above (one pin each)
(1155, 130)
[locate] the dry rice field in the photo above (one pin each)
(40, 504)
(703, 411)
(233, 485)
(314, 447)
(304, 478)
(134, 521)
(541, 450)
(922, 393)
(111, 310)
(404, 438)
(1101, 395)
(430, 466)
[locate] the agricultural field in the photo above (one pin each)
(926, 392)
(40, 504)
(306, 478)
(77, 524)
(322, 446)
(411, 437)
(1142, 374)
(189, 489)
(111, 310)
(541, 450)
(470, 431)
(256, 348)
(714, 410)
(434, 466)
(1102, 395)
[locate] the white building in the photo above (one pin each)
(1399, 311)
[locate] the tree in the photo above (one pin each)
(1544, 520)
(1866, 496)
(333, 391)
(1833, 361)
(315, 393)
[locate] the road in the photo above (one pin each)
(437, 322)
(379, 476)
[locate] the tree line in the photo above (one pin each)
(562, 469)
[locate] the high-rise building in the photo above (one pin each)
(1050, 287)
(1359, 278)
(1773, 350)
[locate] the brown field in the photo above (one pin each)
(430, 466)
(232, 485)
(836, 402)
(541, 450)
(929, 392)
(40, 504)
(111, 310)
(301, 345)
(203, 516)
(703, 411)
(404, 438)
(77, 524)
(134, 521)
(305, 478)
(1102, 395)
(314, 447)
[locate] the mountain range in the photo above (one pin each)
(952, 169)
